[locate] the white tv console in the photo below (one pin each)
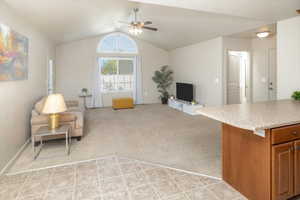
(184, 106)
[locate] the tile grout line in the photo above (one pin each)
(124, 179)
(117, 158)
(212, 193)
(21, 188)
(75, 183)
(60, 165)
(173, 168)
(149, 183)
(183, 191)
(99, 181)
(110, 155)
(48, 185)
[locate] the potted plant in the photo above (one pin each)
(164, 79)
(296, 95)
(84, 91)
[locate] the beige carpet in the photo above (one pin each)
(153, 133)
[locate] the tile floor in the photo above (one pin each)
(154, 133)
(113, 178)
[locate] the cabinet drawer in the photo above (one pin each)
(285, 134)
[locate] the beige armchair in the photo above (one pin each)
(73, 116)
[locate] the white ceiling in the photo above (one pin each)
(273, 10)
(67, 20)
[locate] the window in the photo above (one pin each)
(117, 71)
(117, 43)
(116, 74)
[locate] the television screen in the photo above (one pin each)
(185, 91)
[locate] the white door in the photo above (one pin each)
(233, 79)
(272, 89)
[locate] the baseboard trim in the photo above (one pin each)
(11, 161)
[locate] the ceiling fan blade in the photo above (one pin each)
(150, 28)
(298, 11)
(147, 22)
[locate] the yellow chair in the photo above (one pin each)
(122, 103)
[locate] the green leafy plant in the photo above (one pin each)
(84, 91)
(164, 79)
(296, 95)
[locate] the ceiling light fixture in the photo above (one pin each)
(263, 34)
(135, 30)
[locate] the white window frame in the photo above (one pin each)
(116, 45)
(118, 58)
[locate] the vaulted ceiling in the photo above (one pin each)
(180, 23)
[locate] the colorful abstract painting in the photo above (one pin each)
(13, 55)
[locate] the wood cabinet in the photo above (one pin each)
(285, 162)
(285, 134)
(283, 171)
(297, 167)
(262, 168)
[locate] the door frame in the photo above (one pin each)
(269, 73)
(225, 71)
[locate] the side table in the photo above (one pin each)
(45, 131)
(84, 96)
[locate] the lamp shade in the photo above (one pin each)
(55, 103)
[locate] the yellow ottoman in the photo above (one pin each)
(122, 103)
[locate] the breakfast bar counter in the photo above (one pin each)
(260, 147)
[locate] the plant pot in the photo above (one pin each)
(164, 100)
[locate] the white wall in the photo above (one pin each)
(260, 67)
(288, 57)
(75, 64)
(201, 65)
(17, 97)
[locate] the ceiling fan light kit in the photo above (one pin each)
(135, 30)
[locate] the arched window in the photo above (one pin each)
(117, 63)
(118, 43)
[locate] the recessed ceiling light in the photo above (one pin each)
(263, 34)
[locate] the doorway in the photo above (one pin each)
(238, 77)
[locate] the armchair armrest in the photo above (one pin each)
(39, 119)
(67, 117)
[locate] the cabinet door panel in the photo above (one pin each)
(283, 171)
(297, 167)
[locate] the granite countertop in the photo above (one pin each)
(256, 116)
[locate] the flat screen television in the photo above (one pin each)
(185, 91)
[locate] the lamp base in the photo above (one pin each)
(53, 121)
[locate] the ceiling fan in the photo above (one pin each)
(135, 27)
